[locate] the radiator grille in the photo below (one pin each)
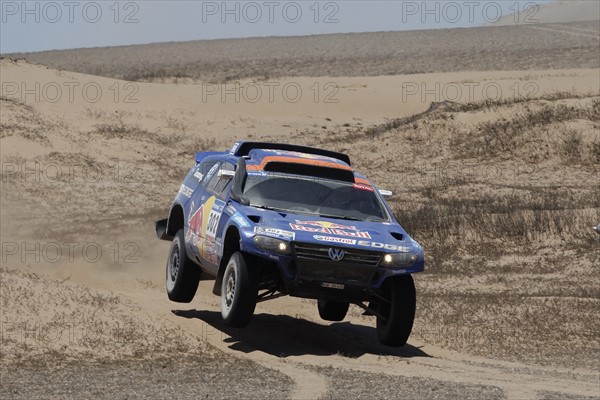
(357, 267)
(351, 256)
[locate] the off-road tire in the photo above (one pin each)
(395, 329)
(183, 275)
(239, 291)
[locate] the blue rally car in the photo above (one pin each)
(267, 219)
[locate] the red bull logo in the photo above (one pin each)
(195, 225)
(325, 224)
(330, 228)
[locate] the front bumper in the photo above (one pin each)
(309, 272)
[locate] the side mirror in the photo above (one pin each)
(385, 193)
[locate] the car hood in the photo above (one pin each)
(384, 236)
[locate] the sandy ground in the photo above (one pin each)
(83, 175)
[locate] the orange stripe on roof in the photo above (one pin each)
(295, 160)
(362, 181)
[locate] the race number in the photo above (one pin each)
(213, 222)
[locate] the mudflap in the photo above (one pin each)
(161, 230)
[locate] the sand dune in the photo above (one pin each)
(489, 48)
(282, 106)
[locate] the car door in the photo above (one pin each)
(197, 206)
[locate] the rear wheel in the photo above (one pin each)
(332, 310)
(399, 313)
(239, 291)
(182, 274)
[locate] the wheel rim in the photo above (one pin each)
(174, 264)
(229, 288)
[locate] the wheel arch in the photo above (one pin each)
(176, 220)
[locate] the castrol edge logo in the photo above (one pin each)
(330, 228)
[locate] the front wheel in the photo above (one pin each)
(239, 291)
(399, 313)
(183, 275)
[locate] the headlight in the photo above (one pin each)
(272, 245)
(399, 260)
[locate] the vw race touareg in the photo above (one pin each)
(265, 220)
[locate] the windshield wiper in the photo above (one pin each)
(269, 208)
(282, 210)
(340, 217)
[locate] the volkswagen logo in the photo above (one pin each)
(336, 254)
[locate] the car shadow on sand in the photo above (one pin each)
(283, 336)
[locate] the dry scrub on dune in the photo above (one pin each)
(46, 320)
(527, 134)
(29, 123)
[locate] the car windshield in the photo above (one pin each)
(314, 196)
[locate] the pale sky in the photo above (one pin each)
(62, 24)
